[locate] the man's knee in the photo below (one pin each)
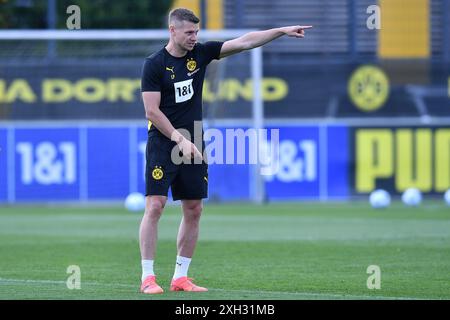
(193, 209)
(155, 206)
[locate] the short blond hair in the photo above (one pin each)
(182, 14)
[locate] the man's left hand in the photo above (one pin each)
(296, 31)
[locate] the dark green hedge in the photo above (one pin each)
(95, 14)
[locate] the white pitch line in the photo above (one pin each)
(348, 296)
(64, 282)
(345, 296)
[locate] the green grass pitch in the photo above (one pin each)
(290, 251)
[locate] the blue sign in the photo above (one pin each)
(3, 165)
(228, 182)
(47, 164)
(297, 171)
(108, 163)
(228, 169)
(338, 162)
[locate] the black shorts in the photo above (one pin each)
(188, 181)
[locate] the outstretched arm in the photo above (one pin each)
(259, 38)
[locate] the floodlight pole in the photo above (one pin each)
(258, 185)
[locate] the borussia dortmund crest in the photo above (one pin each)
(157, 173)
(191, 64)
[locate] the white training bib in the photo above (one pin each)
(183, 90)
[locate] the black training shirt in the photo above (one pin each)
(180, 81)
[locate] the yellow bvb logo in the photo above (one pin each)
(157, 173)
(191, 64)
(368, 88)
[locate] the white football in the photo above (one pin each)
(135, 202)
(447, 197)
(380, 199)
(412, 197)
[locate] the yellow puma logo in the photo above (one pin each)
(172, 76)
